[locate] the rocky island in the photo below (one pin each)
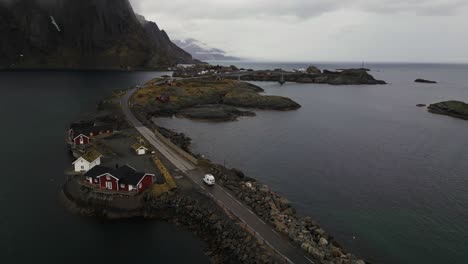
(312, 74)
(424, 81)
(206, 99)
(451, 108)
(343, 77)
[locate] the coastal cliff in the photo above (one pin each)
(85, 34)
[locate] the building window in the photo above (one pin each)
(122, 186)
(108, 178)
(81, 140)
(140, 185)
(95, 181)
(82, 167)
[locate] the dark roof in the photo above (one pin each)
(133, 178)
(97, 171)
(125, 174)
(86, 128)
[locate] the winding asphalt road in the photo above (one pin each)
(277, 242)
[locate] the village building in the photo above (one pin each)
(163, 98)
(81, 140)
(82, 133)
(89, 160)
(123, 179)
(140, 149)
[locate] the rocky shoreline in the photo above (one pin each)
(455, 109)
(227, 239)
(279, 213)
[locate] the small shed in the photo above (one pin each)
(88, 161)
(163, 98)
(140, 149)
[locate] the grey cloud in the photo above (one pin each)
(428, 7)
(301, 9)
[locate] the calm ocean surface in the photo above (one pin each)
(388, 179)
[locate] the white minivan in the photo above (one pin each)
(209, 179)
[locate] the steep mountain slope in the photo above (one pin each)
(160, 41)
(81, 34)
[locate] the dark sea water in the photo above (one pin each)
(35, 110)
(387, 178)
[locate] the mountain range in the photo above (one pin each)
(202, 51)
(82, 34)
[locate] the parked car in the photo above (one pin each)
(209, 179)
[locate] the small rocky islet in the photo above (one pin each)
(206, 99)
(424, 81)
(455, 109)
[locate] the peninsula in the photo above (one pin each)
(240, 219)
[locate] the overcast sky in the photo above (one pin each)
(320, 30)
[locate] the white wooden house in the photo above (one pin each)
(88, 161)
(139, 149)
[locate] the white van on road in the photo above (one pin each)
(209, 179)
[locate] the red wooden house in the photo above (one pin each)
(81, 133)
(122, 179)
(81, 140)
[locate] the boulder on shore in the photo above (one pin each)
(313, 70)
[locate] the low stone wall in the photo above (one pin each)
(278, 212)
(179, 151)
